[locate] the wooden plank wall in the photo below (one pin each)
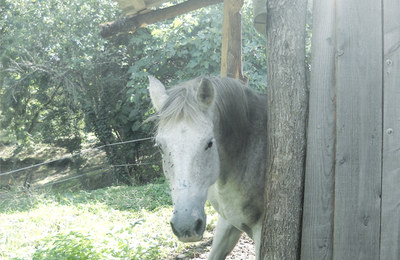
(352, 185)
(358, 130)
(317, 231)
(390, 229)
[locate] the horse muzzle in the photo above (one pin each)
(188, 226)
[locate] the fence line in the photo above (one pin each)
(74, 177)
(60, 181)
(132, 164)
(48, 184)
(72, 155)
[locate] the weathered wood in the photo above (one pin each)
(132, 7)
(358, 130)
(287, 110)
(231, 56)
(234, 56)
(260, 15)
(225, 32)
(131, 24)
(390, 227)
(317, 235)
(139, 5)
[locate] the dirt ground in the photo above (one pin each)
(244, 250)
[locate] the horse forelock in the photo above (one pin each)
(230, 105)
(181, 105)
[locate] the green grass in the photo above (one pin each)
(112, 223)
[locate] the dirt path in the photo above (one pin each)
(244, 250)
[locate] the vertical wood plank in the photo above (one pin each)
(231, 51)
(390, 230)
(317, 235)
(358, 130)
(234, 56)
(225, 32)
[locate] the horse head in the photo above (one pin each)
(186, 140)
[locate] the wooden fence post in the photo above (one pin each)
(231, 53)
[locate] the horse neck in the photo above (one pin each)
(235, 133)
(243, 145)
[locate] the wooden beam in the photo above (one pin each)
(225, 32)
(136, 7)
(231, 53)
(131, 24)
(139, 5)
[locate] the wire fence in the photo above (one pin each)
(44, 185)
(73, 155)
(30, 169)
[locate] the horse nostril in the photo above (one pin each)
(174, 230)
(198, 228)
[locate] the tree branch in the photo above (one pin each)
(131, 24)
(35, 117)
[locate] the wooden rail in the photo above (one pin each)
(131, 24)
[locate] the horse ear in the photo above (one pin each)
(205, 93)
(158, 94)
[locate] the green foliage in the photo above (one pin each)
(62, 80)
(188, 46)
(38, 40)
(75, 245)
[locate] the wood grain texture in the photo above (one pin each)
(132, 7)
(317, 235)
(287, 114)
(390, 227)
(231, 52)
(139, 5)
(225, 32)
(234, 55)
(358, 130)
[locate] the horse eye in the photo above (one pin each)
(209, 145)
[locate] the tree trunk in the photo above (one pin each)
(288, 107)
(104, 133)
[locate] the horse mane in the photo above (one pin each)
(231, 105)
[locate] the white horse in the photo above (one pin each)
(212, 135)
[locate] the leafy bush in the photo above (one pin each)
(75, 245)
